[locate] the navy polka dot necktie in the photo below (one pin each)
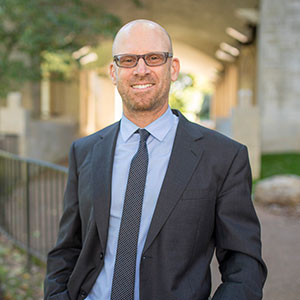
(125, 265)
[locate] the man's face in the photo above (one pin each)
(144, 88)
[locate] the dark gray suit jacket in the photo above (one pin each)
(204, 204)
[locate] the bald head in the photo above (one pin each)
(137, 33)
(144, 88)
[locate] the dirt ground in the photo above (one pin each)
(281, 253)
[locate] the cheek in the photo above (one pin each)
(165, 80)
(121, 82)
(122, 75)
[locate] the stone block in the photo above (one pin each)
(280, 189)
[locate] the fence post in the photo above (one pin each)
(27, 181)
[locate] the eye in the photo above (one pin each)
(154, 57)
(126, 59)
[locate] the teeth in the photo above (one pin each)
(142, 86)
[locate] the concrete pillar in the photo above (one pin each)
(246, 128)
(246, 116)
(279, 75)
(64, 97)
(234, 105)
(97, 104)
(45, 99)
(225, 96)
(247, 71)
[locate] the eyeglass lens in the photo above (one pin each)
(151, 59)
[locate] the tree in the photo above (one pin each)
(31, 29)
(190, 97)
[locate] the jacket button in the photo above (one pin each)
(83, 294)
(101, 255)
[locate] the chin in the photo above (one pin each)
(139, 106)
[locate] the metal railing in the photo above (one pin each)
(31, 197)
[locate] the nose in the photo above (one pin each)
(141, 68)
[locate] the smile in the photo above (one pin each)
(142, 86)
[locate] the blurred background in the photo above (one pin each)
(240, 75)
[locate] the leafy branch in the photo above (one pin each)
(31, 28)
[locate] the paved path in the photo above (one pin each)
(281, 252)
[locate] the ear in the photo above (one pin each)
(112, 73)
(175, 68)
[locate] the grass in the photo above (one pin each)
(276, 164)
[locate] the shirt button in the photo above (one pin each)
(101, 255)
(83, 293)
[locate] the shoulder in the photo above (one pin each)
(213, 139)
(218, 140)
(219, 152)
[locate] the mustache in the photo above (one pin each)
(142, 79)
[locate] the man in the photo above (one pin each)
(151, 197)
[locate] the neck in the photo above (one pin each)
(144, 118)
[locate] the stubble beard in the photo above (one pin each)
(140, 105)
(144, 103)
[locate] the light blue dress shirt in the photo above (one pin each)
(160, 142)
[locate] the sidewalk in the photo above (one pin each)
(281, 252)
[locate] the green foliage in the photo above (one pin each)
(276, 164)
(31, 29)
(60, 64)
(205, 108)
(138, 3)
(180, 91)
(190, 97)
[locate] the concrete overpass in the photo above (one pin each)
(255, 76)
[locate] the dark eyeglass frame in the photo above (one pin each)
(166, 55)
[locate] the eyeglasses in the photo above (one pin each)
(152, 59)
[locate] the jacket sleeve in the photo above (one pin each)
(63, 257)
(238, 244)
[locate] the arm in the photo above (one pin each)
(63, 257)
(238, 245)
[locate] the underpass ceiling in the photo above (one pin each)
(198, 23)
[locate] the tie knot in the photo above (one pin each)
(144, 134)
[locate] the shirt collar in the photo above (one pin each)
(158, 128)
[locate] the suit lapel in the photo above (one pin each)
(185, 156)
(102, 163)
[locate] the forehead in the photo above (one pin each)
(141, 39)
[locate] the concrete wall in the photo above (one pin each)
(279, 75)
(47, 140)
